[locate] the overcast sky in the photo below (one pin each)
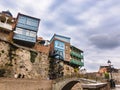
(92, 25)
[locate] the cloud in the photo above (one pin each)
(105, 41)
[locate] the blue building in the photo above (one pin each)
(60, 45)
(26, 30)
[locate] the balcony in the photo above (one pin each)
(76, 62)
(76, 55)
(5, 26)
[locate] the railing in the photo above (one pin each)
(76, 55)
(6, 26)
(78, 77)
(76, 62)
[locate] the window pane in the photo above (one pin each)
(22, 19)
(32, 34)
(29, 22)
(19, 30)
(32, 22)
(27, 33)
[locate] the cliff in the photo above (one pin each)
(21, 62)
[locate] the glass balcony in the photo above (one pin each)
(76, 55)
(24, 38)
(76, 62)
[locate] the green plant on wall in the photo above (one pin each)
(106, 74)
(33, 56)
(76, 69)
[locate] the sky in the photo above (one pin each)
(92, 25)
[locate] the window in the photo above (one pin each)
(61, 53)
(32, 34)
(27, 32)
(59, 44)
(22, 19)
(19, 30)
(32, 22)
(28, 23)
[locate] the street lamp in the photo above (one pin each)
(110, 69)
(109, 62)
(112, 82)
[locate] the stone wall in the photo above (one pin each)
(68, 70)
(116, 77)
(4, 53)
(25, 84)
(17, 61)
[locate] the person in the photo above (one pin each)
(112, 83)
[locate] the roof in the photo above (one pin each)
(57, 36)
(76, 48)
(28, 16)
(7, 13)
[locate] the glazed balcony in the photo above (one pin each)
(76, 62)
(76, 55)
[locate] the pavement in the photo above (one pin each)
(117, 87)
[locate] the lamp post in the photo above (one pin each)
(112, 82)
(110, 69)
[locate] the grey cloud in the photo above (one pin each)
(103, 41)
(69, 19)
(8, 3)
(49, 24)
(56, 4)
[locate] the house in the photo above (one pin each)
(60, 46)
(26, 28)
(7, 24)
(42, 45)
(76, 57)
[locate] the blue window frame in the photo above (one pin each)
(60, 47)
(59, 44)
(28, 23)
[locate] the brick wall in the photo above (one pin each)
(42, 48)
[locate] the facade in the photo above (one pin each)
(62, 52)
(104, 69)
(59, 53)
(61, 46)
(76, 57)
(26, 30)
(7, 24)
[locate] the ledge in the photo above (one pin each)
(93, 85)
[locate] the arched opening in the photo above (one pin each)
(69, 85)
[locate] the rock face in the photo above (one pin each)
(20, 62)
(4, 53)
(68, 70)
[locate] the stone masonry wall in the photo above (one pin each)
(116, 77)
(68, 70)
(21, 62)
(4, 53)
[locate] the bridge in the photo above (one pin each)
(64, 83)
